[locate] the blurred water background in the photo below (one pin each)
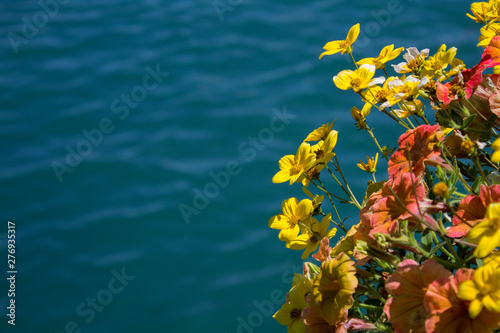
(113, 113)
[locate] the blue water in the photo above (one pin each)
(101, 245)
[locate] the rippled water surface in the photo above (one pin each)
(113, 113)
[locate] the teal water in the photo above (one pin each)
(115, 113)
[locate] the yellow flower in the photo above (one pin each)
(323, 149)
(414, 61)
(435, 65)
(487, 33)
(388, 53)
(294, 213)
(293, 167)
(290, 313)
(401, 90)
(484, 12)
(408, 108)
(483, 291)
(486, 234)
(440, 190)
(316, 201)
(321, 132)
(359, 79)
(359, 115)
(311, 238)
(370, 166)
(493, 260)
(323, 154)
(377, 95)
(495, 157)
(342, 46)
(457, 66)
(332, 289)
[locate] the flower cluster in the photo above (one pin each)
(423, 255)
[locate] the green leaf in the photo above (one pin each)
(427, 240)
(477, 183)
(469, 120)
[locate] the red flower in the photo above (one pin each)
(420, 145)
(464, 84)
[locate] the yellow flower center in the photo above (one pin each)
(495, 222)
(295, 169)
(381, 96)
(437, 65)
(455, 90)
(355, 83)
(314, 239)
(319, 153)
(467, 146)
(412, 65)
(294, 220)
(313, 173)
(295, 313)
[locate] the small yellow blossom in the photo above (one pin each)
(343, 46)
(290, 313)
(440, 190)
(435, 65)
(401, 90)
(467, 146)
(377, 95)
(457, 66)
(324, 149)
(414, 61)
(408, 108)
(359, 115)
(293, 167)
(486, 234)
(495, 157)
(483, 291)
(294, 213)
(357, 80)
(321, 132)
(370, 166)
(323, 152)
(388, 53)
(483, 12)
(311, 238)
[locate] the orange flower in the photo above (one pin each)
(408, 285)
(449, 313)
(472, 209)
(332, 289)
(421, 145)
(493, 49)
(411, 203)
